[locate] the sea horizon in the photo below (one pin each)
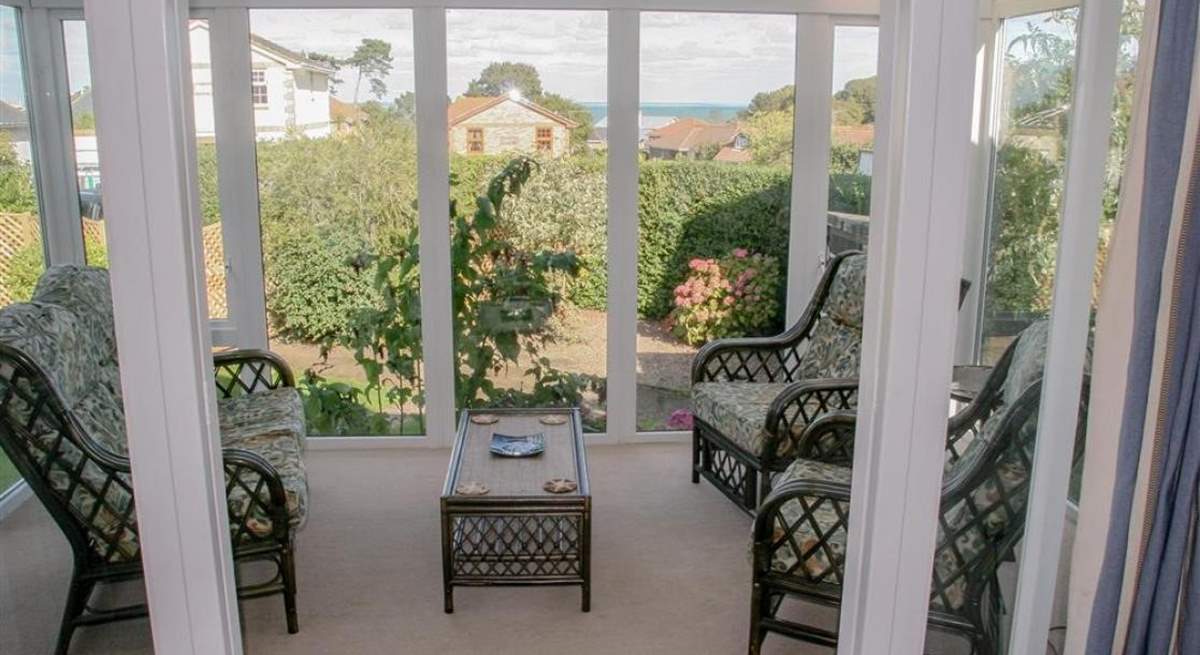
(716, 112)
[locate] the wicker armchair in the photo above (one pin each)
(800, 531)
(753, 398)
(62, 426)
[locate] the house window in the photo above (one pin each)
(545, 139)
(258, 87)
(475, 139)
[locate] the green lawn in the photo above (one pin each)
(8, 474)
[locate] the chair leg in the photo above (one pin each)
(288, 567)
(764, 485)
(757, 605)
(77, 597)
(750, 489)
(695, 456)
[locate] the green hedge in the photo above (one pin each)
(691, 209)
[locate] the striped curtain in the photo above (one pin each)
(1135, 576)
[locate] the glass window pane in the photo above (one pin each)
(715, 194)
(21, 251)
(1037, 62)
(87, 163)
(852, 141)
(528, 89)
(337, 175)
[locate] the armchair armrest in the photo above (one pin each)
(800, 532)
(792, 421)
(254, 494)
(761, 359)
(240, 372)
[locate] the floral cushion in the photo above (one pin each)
(284, 453)
(968, 528)
(738, 410)
(836, 339)
(263, 415)
(85, 291)
(52, 338)
(821, 537)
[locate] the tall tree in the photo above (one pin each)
(860, 94)
(781, 99)
(501, 77)
(373, 60)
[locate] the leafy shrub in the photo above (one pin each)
(843, 158)
(315, 279)
(501, 296)
(337, 408)
(850, 193)
(733, 296)
(24, 269)
(1024, 242)
(690, 210)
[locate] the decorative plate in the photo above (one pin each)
(553, 419)
(527, 445)
(484, 419)
(560, 486)
(472, 489)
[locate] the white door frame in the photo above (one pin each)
(140, 55)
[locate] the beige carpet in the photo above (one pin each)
(670, 570)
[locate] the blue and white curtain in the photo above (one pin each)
(1135, 577)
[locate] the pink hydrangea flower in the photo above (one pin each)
(680, 419)
(740, 253)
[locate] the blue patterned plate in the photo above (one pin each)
(526, 445)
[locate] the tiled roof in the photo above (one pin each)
(733, 155)
(857, 135)
(686, 134)
(468, 106)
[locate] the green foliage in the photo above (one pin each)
(771, 137)
(856, 100)
(373, 61)
(850, 193)
(781, 99)
(17, 194)
(315, 278)
(206, 170)
(24, 269)
(1025, 211)
(690, 210)
(84, 121)
(843, 158)
(502, 296)
(737, 295)
(500, 77)
(338, 408)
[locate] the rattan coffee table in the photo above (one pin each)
(517, 533)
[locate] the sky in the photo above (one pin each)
(686, 57)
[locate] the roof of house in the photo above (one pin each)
(12, 115)
(467, 106)
(688, 133)
(733, 155)
(345, 112)
(277, 52)
(857, 135)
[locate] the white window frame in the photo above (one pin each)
(906, 337)
(254, 84)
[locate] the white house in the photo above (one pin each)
(290, 91)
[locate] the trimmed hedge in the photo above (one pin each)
(690, 209)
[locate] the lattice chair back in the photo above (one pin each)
(63, 429)
(823, 343)
(987, 480)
